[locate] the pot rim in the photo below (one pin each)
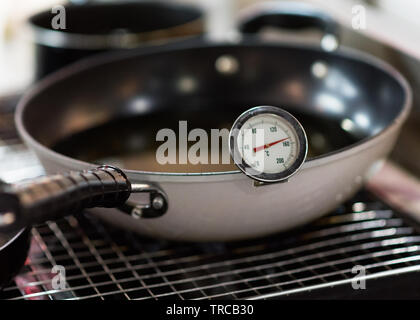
(323, 159)
(124, 40)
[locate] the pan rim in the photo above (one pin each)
(12, 239)
(110, 57)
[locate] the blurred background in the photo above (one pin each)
(394, 23)
(390, 30)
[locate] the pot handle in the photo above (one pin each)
(51, 197)
(290, 15)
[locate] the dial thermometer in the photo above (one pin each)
(268, 144)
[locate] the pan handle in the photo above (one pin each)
(55, 196)
(293, 16)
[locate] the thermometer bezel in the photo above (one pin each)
(263, 176)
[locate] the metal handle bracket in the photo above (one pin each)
(156, 206)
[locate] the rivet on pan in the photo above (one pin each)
(329, 42)
(137, 212)
(227, 65)
(187, 84)
(7, 218)
(158, 202)
(319, 69)
(347, 125)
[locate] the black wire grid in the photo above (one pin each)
(101, 262)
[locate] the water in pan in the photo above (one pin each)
(131, 142)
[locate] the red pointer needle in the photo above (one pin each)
(268, 145)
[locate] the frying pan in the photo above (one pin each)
(352, 105)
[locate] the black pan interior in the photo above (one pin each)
(3, 239)
(118, 106)
(132, 17)
(13, 251)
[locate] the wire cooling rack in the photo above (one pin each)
(101, 262)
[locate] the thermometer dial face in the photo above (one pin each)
(268, 144)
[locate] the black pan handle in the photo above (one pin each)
(55, 196)
(293, 16)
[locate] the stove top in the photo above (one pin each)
(316, 261)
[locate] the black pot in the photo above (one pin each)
(99, 27)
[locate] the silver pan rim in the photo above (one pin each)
(12, 239)
(321, 160)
